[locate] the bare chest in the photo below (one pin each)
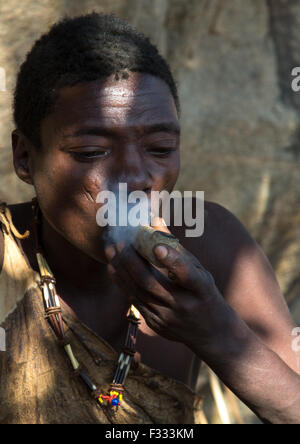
(172, 359)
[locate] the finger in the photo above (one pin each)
(129, 289)
(151, 318)
(110, 252)
(180, 265)
(149, 281)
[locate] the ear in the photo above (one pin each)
(21, 156)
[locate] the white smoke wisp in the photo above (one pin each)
(122, 213)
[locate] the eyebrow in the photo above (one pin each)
(169, 127)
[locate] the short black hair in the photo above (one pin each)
(80, 49)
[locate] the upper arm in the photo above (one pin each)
(248, 283)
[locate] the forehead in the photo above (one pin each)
(140, 100)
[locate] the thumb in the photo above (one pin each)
(180, 267)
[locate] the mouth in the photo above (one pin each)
(132, 219)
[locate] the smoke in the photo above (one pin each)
(122, 212)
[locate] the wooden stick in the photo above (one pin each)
(219, 397)
(234, 406)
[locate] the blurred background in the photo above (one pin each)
(232, 60)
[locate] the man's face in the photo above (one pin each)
(100, 134)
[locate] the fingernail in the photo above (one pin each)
(111, 269)
(110, 252)
(161, 251)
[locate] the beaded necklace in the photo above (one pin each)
(53, 314)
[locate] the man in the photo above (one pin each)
(95, 105)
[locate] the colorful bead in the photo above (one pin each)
(53, 314)
(113, 398)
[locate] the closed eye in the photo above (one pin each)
(160, 151)
(86, 156)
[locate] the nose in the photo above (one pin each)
(132, 170)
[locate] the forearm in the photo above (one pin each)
(252, 371)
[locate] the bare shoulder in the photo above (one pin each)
(221, 229)
(228, 244)
(223, 224)
(224, 239)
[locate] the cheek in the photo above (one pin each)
(61, 178)
(175, 168)
(67, 191)
(53, 177)
(166, 174)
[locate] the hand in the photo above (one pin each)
(187, 309)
